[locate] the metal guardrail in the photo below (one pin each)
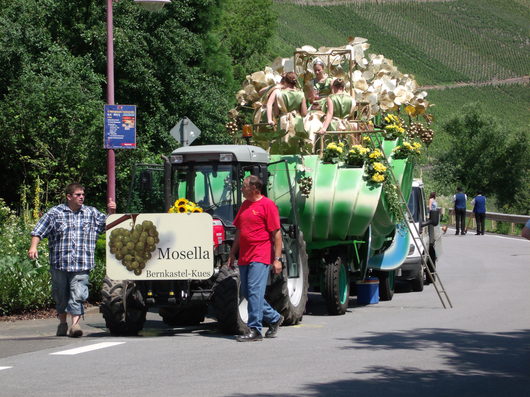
(493, 216)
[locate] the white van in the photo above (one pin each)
(427, 223)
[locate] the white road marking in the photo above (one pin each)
(1, 368)
(85, 349)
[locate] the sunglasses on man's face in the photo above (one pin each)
(78, 194)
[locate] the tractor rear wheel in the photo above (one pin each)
(226, 304)
(288, 295)
(123, 307)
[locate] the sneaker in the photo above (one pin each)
(62, 329)
(252, 336)
(75, 331)
(273, 328)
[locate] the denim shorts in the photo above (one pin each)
(69, 290)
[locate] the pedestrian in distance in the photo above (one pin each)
(479, 209)
(72, 229)
(258, 241)
(526, 230)
(460, 200)
(433, 204)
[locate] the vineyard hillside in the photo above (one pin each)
(440, 42)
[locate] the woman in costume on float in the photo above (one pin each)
(288, 105)
(340, 110)
(321, 84)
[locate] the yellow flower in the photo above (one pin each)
(341, 144)
(339, 149)
(375, 154)
(407, 145)
(391, 119)
(172, 210)
(181, 201)
(416, 145)
(378, 177)
(181, 209)
(197, 209)
(379, 167)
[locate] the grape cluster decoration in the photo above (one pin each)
(305, 184)
(231, 127)
(134, 247)
(418, 130)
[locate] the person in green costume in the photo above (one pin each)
(340, 106)
(321, 84)
(340, 110)
(288, 105)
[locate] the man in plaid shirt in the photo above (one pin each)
(72, 230)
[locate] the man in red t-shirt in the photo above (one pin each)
(258, 240)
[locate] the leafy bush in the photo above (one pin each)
(24, 284)
(98, 273)
(483, 155)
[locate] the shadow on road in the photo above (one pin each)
(478, 364)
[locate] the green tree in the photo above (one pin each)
(246, 29)
(483, 154)
(52, 86)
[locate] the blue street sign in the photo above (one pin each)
(120, 127)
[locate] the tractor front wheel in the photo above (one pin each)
(123, 307)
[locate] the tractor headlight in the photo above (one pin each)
(225, 157)
(177, 158)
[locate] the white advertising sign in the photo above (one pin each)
(159, 246)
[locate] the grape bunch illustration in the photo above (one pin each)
(231, 127)
(134, 247)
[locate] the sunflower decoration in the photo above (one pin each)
(182, 206)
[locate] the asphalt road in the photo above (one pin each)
(409, 346)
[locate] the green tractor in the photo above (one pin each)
(335, 233)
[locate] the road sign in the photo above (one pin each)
(120, 127)
(185, 132)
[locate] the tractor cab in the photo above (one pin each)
(210, 176)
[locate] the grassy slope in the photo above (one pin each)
(507, 102)
(440, 43)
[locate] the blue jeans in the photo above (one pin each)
(69, 290)
(253, 284)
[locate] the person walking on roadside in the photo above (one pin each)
(460, 199)
(72, 229)
(479, 209)
(258, 238)
(526, 230)
(433, 204)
